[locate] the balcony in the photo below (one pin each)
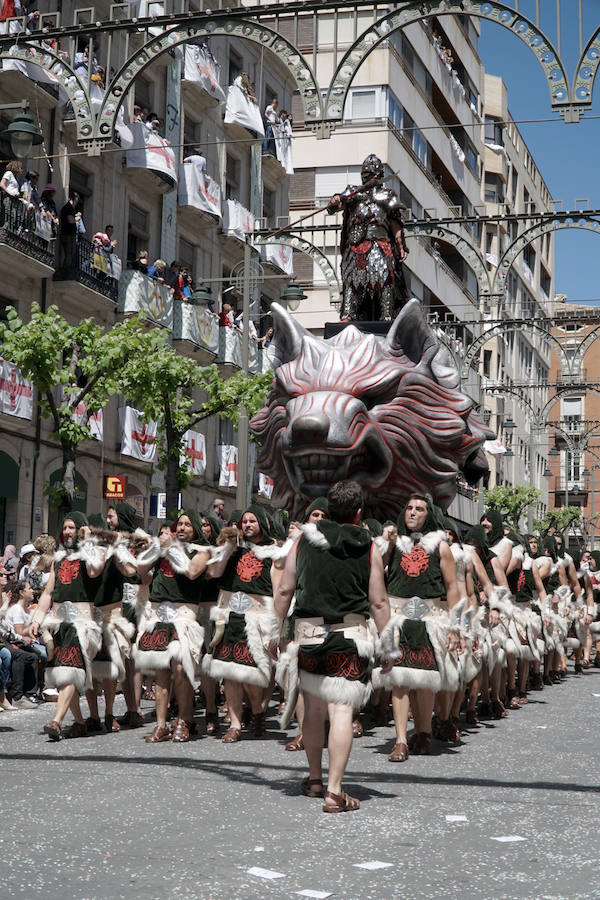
(96, 272)
(149, 159)
(243, 118)
(31, 82)
(229, 358)
(139, 293)
(573, 492)
(198, 198)
(279, 257)
(201, 76)
(26, 242)
(197, 331)
(237, 223)
(576, 378)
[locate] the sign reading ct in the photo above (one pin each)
(114, 487)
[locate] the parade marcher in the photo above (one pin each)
(76, 637)
(211, 528)
(336, 573)
(170, 639)
(109, 665)
(372, 245)
(421, 584)
(244, 619)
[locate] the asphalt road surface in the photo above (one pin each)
(110, 817)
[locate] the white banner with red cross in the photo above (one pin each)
(146, 149)
(138, 438)
(95, 422)
(16, 393)
(228, 457)
(265, 485)
(194, 452)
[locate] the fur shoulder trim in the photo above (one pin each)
(518, 552)
(457, 552)
(314, 536)
(501, 545)
(468, 552)
(568, 559)
(273, 551)
(539, 561)
(429, 541)
(381, 544)
(527, 562)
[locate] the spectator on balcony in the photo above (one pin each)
(272, 127)
(188, 284)
(239, 324)
(197, 159)
(243, 82)
(67, 238)
(29, 189)
(174, 279)
(205, 46)
(158, 271)
(140, 263)
(12, 178)
(266, 339)
(49, 206)
(227, 316)
(84, 67)
(104, 239)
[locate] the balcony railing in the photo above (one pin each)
(95, 269)
(574, 485)
(26, 230)
(579, 377)
(139, 293)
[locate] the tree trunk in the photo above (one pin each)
(172, 486)
(68, 480)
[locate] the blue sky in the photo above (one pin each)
(566, 155)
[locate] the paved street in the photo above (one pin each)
(113, 817)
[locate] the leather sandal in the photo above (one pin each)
(212, 723)
(498, 710)
(158, 735)
(308, 790)
(136, 719)
(53, 730)
(148, 695)
(523, 701)
(181, 732)
(112, 725)
(423, 744)
(357, 729)
(471, 717)
(232, 735)
(76, 730)
(296, 744)
(343, 803)
(93, 724)
(399, 752)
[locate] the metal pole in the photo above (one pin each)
(531, 478)
(592, 524)
(242, 493)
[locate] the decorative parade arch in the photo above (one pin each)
(318, 257)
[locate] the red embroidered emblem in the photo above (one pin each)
(416, 562)
(344, 665)
(238, 649)
(166, 568)
(68, 656)
(249, 567)
(68, 571)
(308, 663)
(521, 581)
(157, 639)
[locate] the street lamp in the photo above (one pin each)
(22, 134)
(293, 295)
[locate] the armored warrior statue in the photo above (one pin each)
(373, 247)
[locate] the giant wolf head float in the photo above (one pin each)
(386, 412)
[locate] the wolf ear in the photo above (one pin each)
(287, 336)
(410, 334)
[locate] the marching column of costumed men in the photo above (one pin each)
(346, 617)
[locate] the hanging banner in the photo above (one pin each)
(146, 149)
(201, 67)
(138, 292)
(280, 255)
(241, 110)
(228, 456)
(283, 147)
(198, 189)
(16, 393)
(265, 485)
(95, 422)
(194, 452)
(237, 220)
(138, 438)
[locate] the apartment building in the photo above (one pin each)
(197, 213)
(518, 358)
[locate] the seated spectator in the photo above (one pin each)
(5, 664)
(24, 662)
(158, 270)
(4, 586)
(27, 558)
(226, 316)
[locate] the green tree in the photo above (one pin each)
(70, 365)
(512, 501)
(561, 519)
(161, 385)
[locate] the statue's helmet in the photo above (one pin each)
(372, 167)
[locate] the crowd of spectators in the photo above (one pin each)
(22, 658)
(278, 124)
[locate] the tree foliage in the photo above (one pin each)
(70, 365)
(512, 501)
(162, 385)
(562, 518)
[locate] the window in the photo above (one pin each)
(232, 178)
(235, 65)
(395, 111)
(269, 207)
(270, 92)
(137, 232)
(493, 131)
(472, 157)
(186, 255)
(494, 188)
(80, 181)
(363, 104)
(487, 363)
(191, 136)
(143, 93)
(420, 146)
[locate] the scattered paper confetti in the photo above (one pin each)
(318, 895)
(456, 819)
(509, 839)
(265, 873)
(541, 726)
(595, 695)
(373, 864)
(259, 849)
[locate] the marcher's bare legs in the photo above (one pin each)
(422, 701)
(315, 714)
(161, 689)
(184, 693)
(208, 686)
(234, 692)
(340, 743)
(132, 687)
(400, 710)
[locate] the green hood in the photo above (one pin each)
(318, 503)
(550, 544)
(263, 521)
(375, 527)
(126, 516)
(196, 520)
(215, 526)
(497, 532)
(345, 541)
(79, 518)
(433, 522)
(450, 525)
(476, 535)
(97, 520)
